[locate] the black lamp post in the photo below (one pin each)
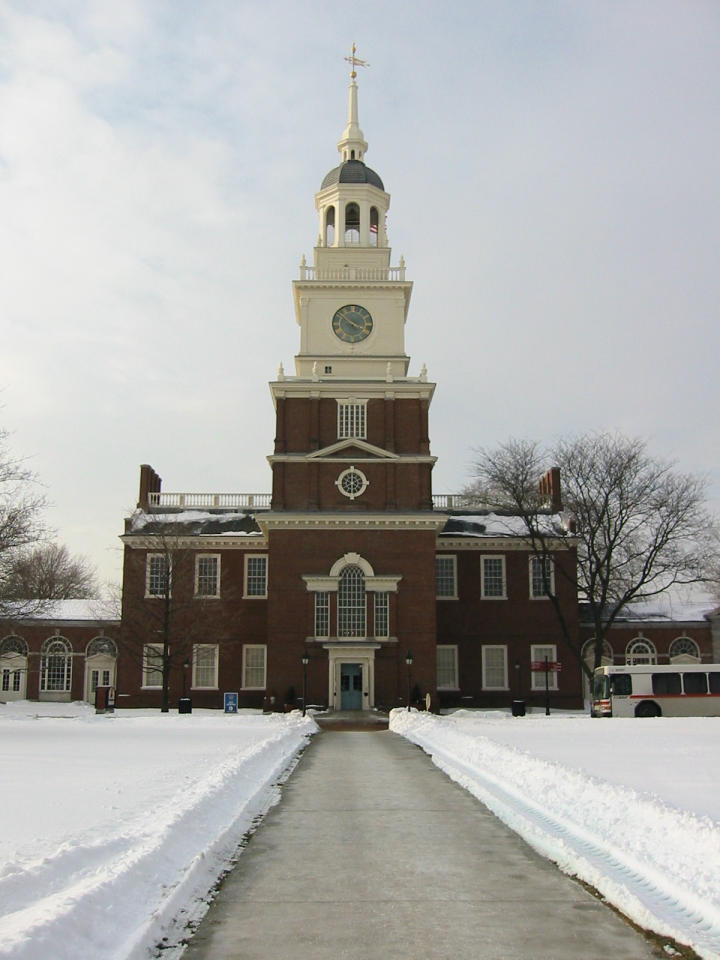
(408, 661)
(305, 662)
(186, 664)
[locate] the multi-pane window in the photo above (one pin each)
(640, 651)
(254, 666)
(56, 666)
(99, 678)
(152, 665)
(542, 574)
(205, 665)
(322, 614)
(538, 654)
(493, 578)
(447, 668)
(382, 622)
(157, 575)
(494, 667)
(446, 576)
(256, 575)
(11, 680)
(207, 575)
(352, 419)
(351, 603)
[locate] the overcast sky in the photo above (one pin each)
(553, 168)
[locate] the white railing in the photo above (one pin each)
(456, 501)
(210, 501)
(353, 273)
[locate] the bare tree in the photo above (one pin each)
(21, 506)
(50, 572)
(641, 526)
(165, 616)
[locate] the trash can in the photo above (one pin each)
(518, 708)
(184, 705)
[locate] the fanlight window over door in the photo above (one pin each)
(56, 666)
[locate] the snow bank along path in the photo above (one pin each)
(111, 827)
(656, 862)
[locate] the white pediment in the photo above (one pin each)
(353, 448)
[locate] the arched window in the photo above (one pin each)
(352, 223)
(640, 651)
(101, 646)
(374, 226)
(13, 668)
(351, 602)
(684, 650)
(56, 665)
(330, 226)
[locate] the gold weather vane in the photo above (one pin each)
(355, 62)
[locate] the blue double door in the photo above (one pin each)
(351, 686)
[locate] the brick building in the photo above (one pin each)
(351, 562)
(58, 650)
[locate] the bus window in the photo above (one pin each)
(695, 682)
(600, 687)
(666, 683)
(621, 684)
(714, 682)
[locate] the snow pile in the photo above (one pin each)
(656, 861)
(114, 828)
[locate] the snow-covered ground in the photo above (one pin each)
(630, 806)
(113, 828)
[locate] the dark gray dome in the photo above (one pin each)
(352, 171)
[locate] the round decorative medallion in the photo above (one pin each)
(352, 483)
(352, 323)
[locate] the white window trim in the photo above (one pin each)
(206, 556)
(158, 647)
(501, 558)
(386, 633)
(537, 679)
(351, 402)
(352, 471)
(541, 596)
(254, 646)
(148, 557)
(196, 648)
(453, 647)
(453, 558)
(495, 646)
(255, 596)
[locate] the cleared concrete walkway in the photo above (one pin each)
(373, 853)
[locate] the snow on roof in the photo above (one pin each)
(499, 525)
(665, 608)
(195, 523)
(62, 610)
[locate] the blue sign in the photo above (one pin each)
(231, 703)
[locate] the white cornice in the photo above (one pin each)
(351, 520)
(345, 389)
(499, 543)
(148, 541)
(349, 458)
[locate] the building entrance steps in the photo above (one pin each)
(374, 853)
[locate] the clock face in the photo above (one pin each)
(352, 323)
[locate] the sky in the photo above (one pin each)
(553, 168)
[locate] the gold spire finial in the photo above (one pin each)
(355, 62)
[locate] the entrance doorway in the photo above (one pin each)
(351, 686)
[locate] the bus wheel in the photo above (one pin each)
(647, 709)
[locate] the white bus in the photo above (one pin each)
(674, 690)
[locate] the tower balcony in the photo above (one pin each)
(345, 274)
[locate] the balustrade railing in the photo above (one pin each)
(211, 501)
(456, 501)
(262, 501)
(353, 273)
